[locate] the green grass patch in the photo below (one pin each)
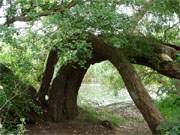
(91, 114)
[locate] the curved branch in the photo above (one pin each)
(159, 57)
(177, 47)
(51, 11)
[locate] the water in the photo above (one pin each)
(99, 95)
(96, 95)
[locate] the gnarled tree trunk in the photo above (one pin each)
(62, 102)
(63, 93)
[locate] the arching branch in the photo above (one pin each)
(177, 47)
(159, 57)
(132, 81)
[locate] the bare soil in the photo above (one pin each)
(134, 125)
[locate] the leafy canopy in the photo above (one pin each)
(52, 23)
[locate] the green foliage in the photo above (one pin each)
(24, 50)
(26, 56)
(101, 17)
(169, 128)
(166, 7)
(107, 74)
(20, 130)
(15, 102)
(170, 107)
(165, 85)
(21, 127)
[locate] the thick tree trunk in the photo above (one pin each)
(47, 76)
(63, 93)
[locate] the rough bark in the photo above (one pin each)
(138, 92)
(63, 93)
(47, 75)
(160, 58)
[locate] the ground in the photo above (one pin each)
(133, 124)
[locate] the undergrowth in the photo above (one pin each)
(170, 109)
(95, 115)
(15, 103)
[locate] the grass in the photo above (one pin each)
(91, 114)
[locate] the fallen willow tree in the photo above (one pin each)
(95, 31)
(63, 104)
(63, 89)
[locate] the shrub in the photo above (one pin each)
(169, 128)
(15, 101)
(170, 107)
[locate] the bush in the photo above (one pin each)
(170, 107)
(169, 128)
(15, 101)
(19, 130)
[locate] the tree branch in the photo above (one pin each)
(153, 58)
(51, 11)
(177, 47)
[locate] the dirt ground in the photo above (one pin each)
(134, 125)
